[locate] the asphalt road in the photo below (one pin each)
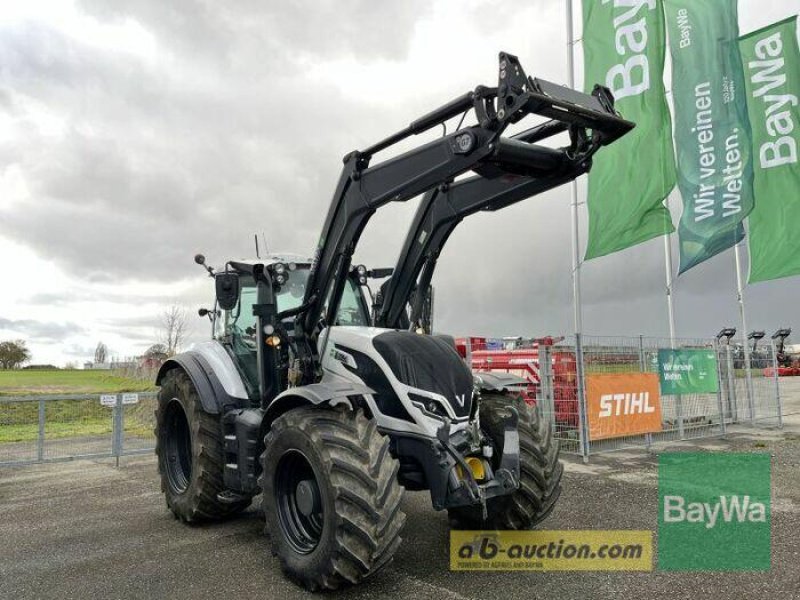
(88, 530)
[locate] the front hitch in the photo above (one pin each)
(506, 478)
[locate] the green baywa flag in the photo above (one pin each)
(712, 130)
(772, 77)
(623, 49)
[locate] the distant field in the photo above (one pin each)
(30, 382)
(67, 418)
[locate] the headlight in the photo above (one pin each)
(428, 405)
(279, 268)
(361, 271)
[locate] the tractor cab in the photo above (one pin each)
(234, 322)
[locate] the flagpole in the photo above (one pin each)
(576, 260)
(668, 266)
(745, 341)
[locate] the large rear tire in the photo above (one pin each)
(190, 453)
(540, 469)
(330, 495)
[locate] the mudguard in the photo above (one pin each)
(495, 381)
(332, 392)
(213, 397)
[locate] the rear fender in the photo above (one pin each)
(213, 397)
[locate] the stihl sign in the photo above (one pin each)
(625, 404)
(622, 404)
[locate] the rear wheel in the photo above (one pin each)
(540, 469)
(190, 457)
(330, 495)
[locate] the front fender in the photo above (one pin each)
(332, 393)
(496, 381)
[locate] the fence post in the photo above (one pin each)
(40, 437)
(679, 406)
(720, 406)
(648, 437)
(748, 375)
(775, 377)
(116, 432)
(582, 419)
(546, 380)
(731, 385)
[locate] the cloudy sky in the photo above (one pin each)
(135, 134)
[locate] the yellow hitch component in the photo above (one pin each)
(475, 465)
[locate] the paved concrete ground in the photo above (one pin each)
(88, 530)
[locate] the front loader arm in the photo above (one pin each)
(442, 209)
(439, 214)
(363, 188)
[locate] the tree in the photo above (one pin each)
(173, 328)
(100, 353)
(156, 352)
(13, 354)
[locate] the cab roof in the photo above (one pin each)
(246, 264)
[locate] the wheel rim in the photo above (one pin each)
(178, 447)
(299, 502)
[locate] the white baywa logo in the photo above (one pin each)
(768, 76)
(637, 403)
(731, 508)
(631, 76)
(461, 399)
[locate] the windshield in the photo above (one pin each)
(241, 322)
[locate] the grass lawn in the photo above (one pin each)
(19, 421)
(69, 418)
(32, 382)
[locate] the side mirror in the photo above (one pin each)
(227, 286)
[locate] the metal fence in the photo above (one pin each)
(64, 427)
(747, 392)
(51, 428)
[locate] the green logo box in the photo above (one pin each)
(687, 371)
(714, 512)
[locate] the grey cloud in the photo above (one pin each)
(78, 351)
(41, 331)
(225, 134)
(319, 27)
(135, 187)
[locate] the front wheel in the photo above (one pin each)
(330, 495)
(540, 469)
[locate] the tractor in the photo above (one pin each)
(787, 366)
(300, 398)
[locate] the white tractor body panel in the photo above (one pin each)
(338, 364)
(222, 364)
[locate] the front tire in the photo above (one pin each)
(330, 495)
(190, 453)
(540, 469)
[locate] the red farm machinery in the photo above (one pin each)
(521, 357)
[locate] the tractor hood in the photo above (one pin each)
(415, 375)
(429, 363)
